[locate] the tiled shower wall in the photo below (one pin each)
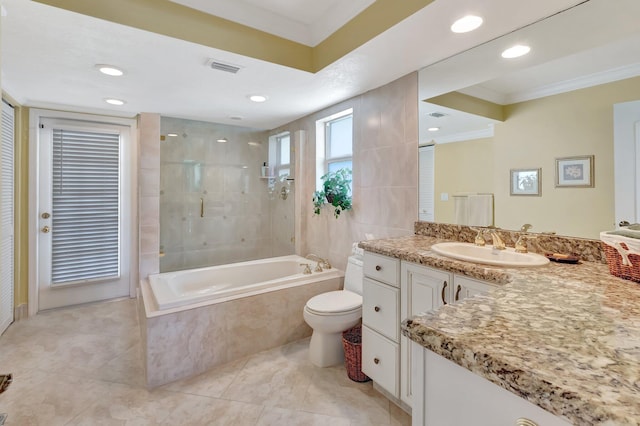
(214, 206)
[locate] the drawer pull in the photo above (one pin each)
(376, 361)
(444, 287)
(377, 308)
(458, 292)
(378, 268)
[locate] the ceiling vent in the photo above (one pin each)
(222, 66)
(437, 114)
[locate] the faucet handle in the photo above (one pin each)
(479, 239)
(525, 228)
(307, 268)
(326, 264)
(318, 268)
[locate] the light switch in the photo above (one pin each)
(444, 196)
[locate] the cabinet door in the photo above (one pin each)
(464, 287)
(422, 289)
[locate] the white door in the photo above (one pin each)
(627, 161)
(84, 223)
(6, 217)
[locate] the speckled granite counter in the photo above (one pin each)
(564, 337)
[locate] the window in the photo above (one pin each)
(336, 131)
(283, 155)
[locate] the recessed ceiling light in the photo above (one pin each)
(433, 129)
(113, 101)
(235, 117)
(223, 140)
(110, 70)
(172, 135)
(257, 98)
(516, 51)
(252, 143)
(466, 24)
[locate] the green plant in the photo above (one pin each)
(336, 191)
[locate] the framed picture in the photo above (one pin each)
(575, 172)
(526, 181)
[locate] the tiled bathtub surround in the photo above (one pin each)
(565, 337)
(240, 213)
(586, 249)
(183, 342)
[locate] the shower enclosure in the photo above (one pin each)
(217, 205)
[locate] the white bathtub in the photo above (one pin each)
(180, 288)
(191, 321)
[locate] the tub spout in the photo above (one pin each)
(322, 263)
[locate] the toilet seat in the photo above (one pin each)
(335, 302)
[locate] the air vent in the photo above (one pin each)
(437, 114)
(222, 66)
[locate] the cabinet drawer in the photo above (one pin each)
(380, 360)
(382, 268)
(380, 308)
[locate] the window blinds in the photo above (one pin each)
(426, 183)
(6, 216)
(85, 206)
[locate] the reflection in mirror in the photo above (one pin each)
(493, 115)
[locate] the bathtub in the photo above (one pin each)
(180, 288)
(194, 320)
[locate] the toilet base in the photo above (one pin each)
(325, 349)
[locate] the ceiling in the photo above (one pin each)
(49, 57)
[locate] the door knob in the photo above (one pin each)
(46, 229)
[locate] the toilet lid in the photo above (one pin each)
(335, 301)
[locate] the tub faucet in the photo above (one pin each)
(322, 263)
(307, 268)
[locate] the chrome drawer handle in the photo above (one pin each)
(377, 309)
(378, 268)
(376, 361)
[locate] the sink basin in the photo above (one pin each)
(488, 255)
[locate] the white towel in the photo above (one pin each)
(461, 212)
(480, 208)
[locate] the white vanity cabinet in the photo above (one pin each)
(381, 321)
(393, 291)
(449, 395)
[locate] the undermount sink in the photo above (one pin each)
(488, 255)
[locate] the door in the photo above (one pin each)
(465, 287)
(6, 217)
(83, 212)
(626, 132)
(422, 289)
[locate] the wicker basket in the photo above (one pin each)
(352, 343)
(623, 255)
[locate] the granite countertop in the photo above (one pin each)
(564, 337)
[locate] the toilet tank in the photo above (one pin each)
(353, 274)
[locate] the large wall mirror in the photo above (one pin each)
(511, 127)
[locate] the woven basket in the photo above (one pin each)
(623, 256)
(352, 343)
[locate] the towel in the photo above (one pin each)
(480, 209)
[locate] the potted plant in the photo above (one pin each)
(336, 191)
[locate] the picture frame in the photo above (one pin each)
(526, 182)
(575, 172)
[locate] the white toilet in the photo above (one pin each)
(331, 313)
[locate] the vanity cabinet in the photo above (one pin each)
(381, 321)
(394, 290)
(447, 394)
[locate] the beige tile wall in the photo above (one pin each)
(385, 171)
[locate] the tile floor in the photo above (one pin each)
(82, 366)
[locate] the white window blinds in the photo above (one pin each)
(426, 183)
(85, 197)
(6, 216)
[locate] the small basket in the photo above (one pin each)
(623, 255)
(352, 343)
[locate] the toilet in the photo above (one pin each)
(331, 313)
